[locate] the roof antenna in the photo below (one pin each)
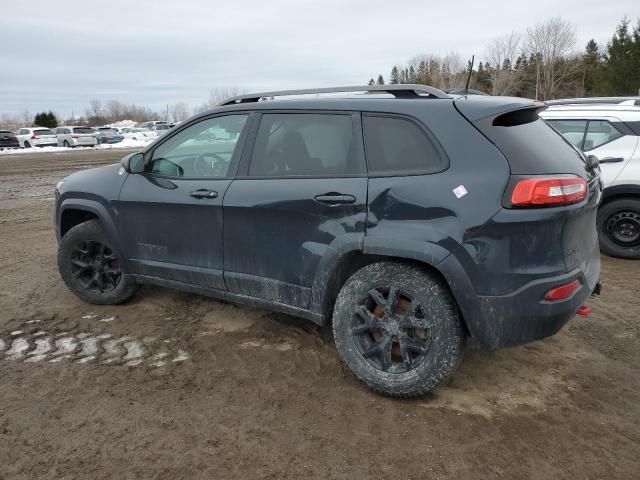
(466, 87)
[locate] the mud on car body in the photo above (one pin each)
(408, 220)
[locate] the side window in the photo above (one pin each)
(571, 130)
(306, 144)
(204, 149)
(600, 132)
(398, 145)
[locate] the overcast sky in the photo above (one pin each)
(60, 54)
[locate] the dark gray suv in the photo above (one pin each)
(407, 218)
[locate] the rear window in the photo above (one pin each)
(108, 132)
(530, 145)
(43, 131)
(5, 132)
(82, 130)
(398, 145)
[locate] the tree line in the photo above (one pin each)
(541, 63)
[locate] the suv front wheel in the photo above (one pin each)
(90, 267)
(398, 329)
(619, 228)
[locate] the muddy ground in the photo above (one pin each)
(173, 385)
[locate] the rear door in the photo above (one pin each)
(170, 219)
(299, 196)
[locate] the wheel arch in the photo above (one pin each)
(73, 212)
(335, 270)
(617, 192)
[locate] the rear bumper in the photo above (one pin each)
(521, 316)
(524, 315)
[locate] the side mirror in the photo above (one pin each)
(592, 162)
(133, 163)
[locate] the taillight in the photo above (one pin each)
(75, 136)
(548, 191)
(562, 292)
(34, 136)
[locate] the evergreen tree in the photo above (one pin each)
(371, 81)
(46, 119)
(594, 75)
(395, 77)
(411, 77)
(622, 79)
(380, 80)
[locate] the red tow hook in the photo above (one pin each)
(583, 310)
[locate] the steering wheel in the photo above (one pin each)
(205, 168)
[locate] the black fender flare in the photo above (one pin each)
(424, 252)
(99, 210)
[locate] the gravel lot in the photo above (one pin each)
(173, 385)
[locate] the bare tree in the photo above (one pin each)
(9, 122)
(179, 111)
(552, 42)
(114, 111)
(95, 108)
(26, 119)
(216, 96)
(502, 53)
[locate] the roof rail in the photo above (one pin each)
(596, 100)
(397, 90)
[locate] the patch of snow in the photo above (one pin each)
(18, 347)
(126, 143)
(181, 357)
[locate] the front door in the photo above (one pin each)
(170, 216)
(299, 197)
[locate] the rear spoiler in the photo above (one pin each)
(476, 107)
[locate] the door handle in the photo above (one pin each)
(334, 199)
(203, 193)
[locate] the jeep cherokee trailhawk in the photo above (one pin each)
(406, 218)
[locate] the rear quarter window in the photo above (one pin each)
(396, 145)
(531, 145)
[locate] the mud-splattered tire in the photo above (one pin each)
(415, 311)
(90, 268)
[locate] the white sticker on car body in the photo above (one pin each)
(460, 191)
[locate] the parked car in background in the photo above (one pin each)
(36, 137)
(109, 136)
(138, 133)
(609, 129)
(153, 123)
(161, 128)
(8, 140)
(78, 136)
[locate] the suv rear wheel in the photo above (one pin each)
(619, 228)
(398, 329)
(90, 267)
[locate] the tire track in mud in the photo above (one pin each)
(88, 348)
